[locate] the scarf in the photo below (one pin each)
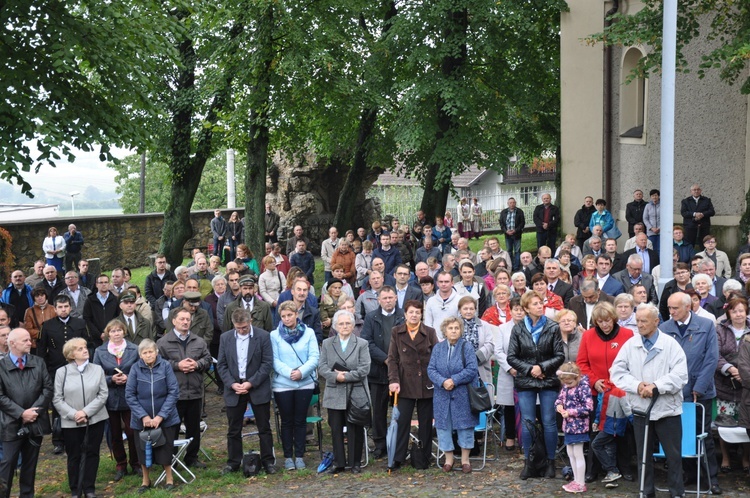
(117, 351)
(535, 330)
(471, 332)
(292, 335)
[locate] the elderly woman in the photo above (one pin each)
(453, 365)
(499, 313)
(349, 305)
(54, 248)
(36, 315)
(330, 303)
(295, 360)
(727, 377)
(152, 392)
(344, 365)
(625, 309)
(702, 284)
(116, 357)
(695, 306)
(518, 280)
(551, 301)
(570, 332)
(479, 334)
(536, 351)
(504, 396)
(80, 398)
(409, 353)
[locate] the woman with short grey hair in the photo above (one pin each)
(625, 309)
(344, 365)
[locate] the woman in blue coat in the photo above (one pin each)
(116, 356)
(152, 392)
(453, 365)
(602, 217)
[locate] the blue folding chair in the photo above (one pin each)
(693, 443)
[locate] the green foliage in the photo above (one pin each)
(7, 260)
(726, 23)
(76, 74)
(211, 193)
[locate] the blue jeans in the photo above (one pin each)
(445, 436)
(527, 403)
(604, 447)
(513, 246)
(655, 242)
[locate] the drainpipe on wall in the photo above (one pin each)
(608, 108)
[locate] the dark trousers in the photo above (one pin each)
(190, 414)
(509, 418)
(28, 448)
(235, 417)
(546, 238)
(424, 417)
(293, 407)
(83, 458)
(218, 246)
(689, 467)
(355, 439)
(119, 421)
(669, 432)
(513, 246)
(694, 235)
(71, 261)
(379, 396)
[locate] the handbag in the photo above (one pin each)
(479, 396)
(358, 414)
(316, 384)
(613, 233)
(156, 435)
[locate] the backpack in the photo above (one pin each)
(251, 464)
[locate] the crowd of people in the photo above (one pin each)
(574, 339)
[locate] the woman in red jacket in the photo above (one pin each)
(598, 350)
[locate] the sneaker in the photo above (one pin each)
(289, 464)
(299, 463)
(611, 477)
(574, 487)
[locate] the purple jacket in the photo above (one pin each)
(579, 404)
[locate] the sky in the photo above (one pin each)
(86, 170)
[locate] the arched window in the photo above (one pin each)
(632, 98)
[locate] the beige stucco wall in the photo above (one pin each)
(581, 106)
(712, 132)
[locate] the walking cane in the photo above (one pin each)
(646, 452)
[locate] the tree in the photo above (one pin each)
(727, 23)
(211, 192)
(76, 74)
(479, 82)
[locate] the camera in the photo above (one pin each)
(23, 431)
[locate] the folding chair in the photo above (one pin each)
(314, 418)
(693, 445)
(485, 427)
(178, 464)
(203, 429)
(212, 375)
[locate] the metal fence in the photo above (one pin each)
(404, 202)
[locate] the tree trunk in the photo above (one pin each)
(258, 134)
(186, 167)
(436, 185)
(359, 175)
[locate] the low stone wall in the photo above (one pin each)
(120, 240)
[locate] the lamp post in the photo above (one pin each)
(73, 201)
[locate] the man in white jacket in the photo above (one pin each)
(652, 362)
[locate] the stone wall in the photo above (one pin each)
(121, 240)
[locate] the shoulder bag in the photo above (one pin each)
(479, 396)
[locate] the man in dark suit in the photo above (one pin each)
(377, 332)
(634, 211)
(405, 291)
(100, 307)
(245, 364)
(696, 211)
(512, 223)
(649, 257)
(51, 282)
(633, 274)
(607, 284)
(546, 219)
(562, 289)
(26, 392)
(583, 304)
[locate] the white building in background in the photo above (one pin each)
(23, 212)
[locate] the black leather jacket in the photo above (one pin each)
(548, 353)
